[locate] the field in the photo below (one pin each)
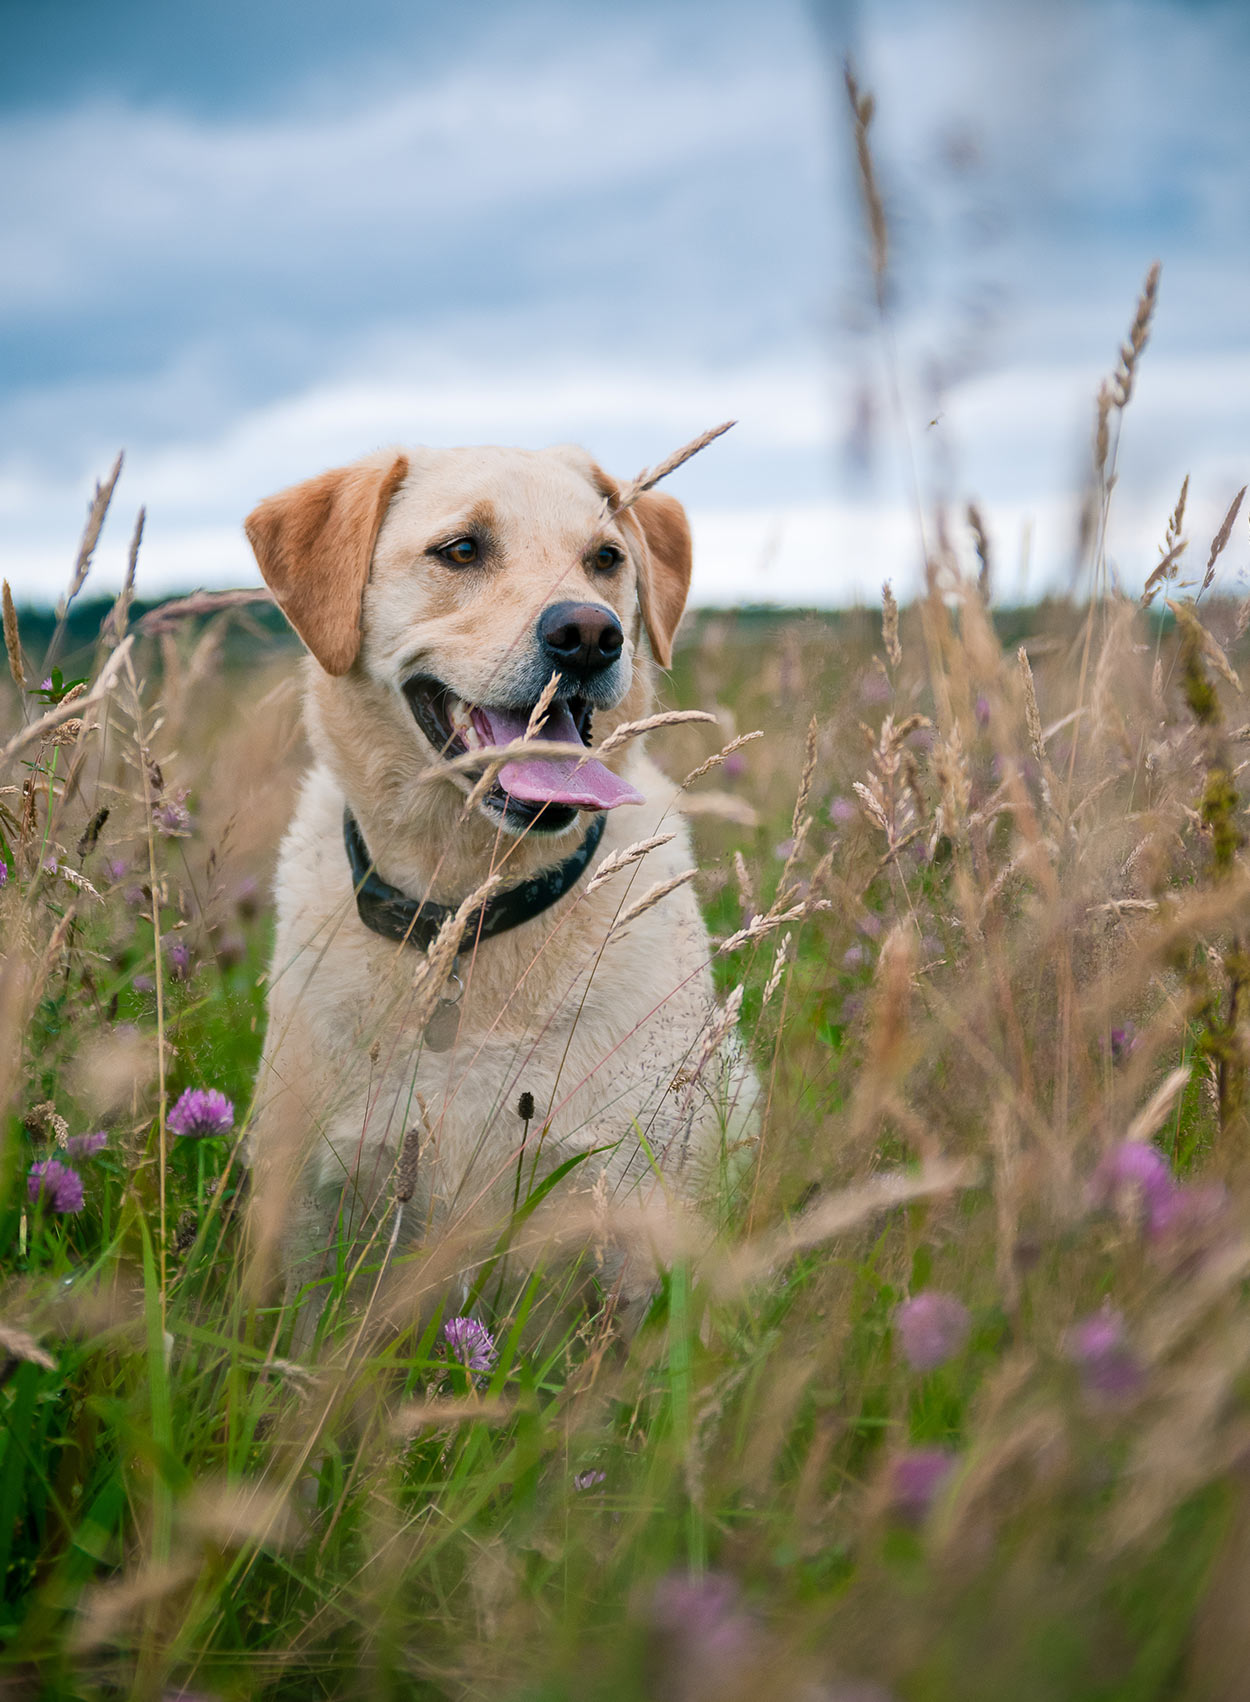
(956, 1402)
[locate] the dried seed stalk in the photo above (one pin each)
(862, 107)
(651, 897)
(538, 714)
(652, 475)
(12, 640)
(618, 860)
(715, 761)
(633, 729)
(889, 625)
(1220, 540)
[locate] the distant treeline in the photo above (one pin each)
(258, 629)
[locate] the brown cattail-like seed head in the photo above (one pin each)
(525, 1107)
(406, 1175)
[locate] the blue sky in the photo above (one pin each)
(246, 242)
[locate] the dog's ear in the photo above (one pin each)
(667, 557)
(314, 543)
(664, 580)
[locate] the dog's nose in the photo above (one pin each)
(580, 638)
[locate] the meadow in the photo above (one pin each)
(956, 1401)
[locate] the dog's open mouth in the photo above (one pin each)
(553, 784)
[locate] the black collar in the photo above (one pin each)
(390, 913)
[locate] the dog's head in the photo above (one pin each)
(459, 581)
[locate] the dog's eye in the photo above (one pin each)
(460, 552)
(606, 557)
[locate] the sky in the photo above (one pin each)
(249, 241)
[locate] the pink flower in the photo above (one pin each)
(56, 1185)
(932, 1327)
(201, 1111)
(86, 1146)
(1097, 1346)
(171, 816)
(915, 1477)
(471, 1343)
(1135, 1179)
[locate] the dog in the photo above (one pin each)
(440, 593)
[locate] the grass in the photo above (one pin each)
(1004, 1062)
(180, 1505)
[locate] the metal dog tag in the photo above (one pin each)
(444, 1024)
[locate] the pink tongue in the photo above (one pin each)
(554, 780)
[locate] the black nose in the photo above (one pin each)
(580, 638)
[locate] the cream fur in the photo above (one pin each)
(598, 1033)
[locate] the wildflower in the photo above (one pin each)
(143, 984)
(932, 1327)
(117, 869)
(735, 764)
(1189, 1212)
(471, 1343)
(784, 850)
(589, 1480)
(179, 954)
(915, 1477)
(1136, 1179)
(4, 872)
(201, 1111)
(875, 687)
(56, 1185)
(171, 816)
(853, 958)
(49, 865)
(842, 812)
(981, 709)
(1098, 1348)
(46, 685)
(1122, 1040)
(703, 1637)
(86, 1146)
(134, 895)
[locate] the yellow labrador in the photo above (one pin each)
(439, 592)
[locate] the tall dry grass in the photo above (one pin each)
(954, 1402)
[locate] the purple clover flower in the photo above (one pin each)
(178, 953)
(932, 1327)
(117, 868)
(1188, 1213)
(853, 958)
(86, 1146)
(1097, 1346)
(914, 1479)
(842, 812)
(470, 1343)
(201, 1111)
(981, 710)
(1134, 1178)
(56, 1185)
(1122, 1041)
(702, 1634)
(143, 984)
(589, 1480)
(4, 872)
(171, 817)
(49, 864)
